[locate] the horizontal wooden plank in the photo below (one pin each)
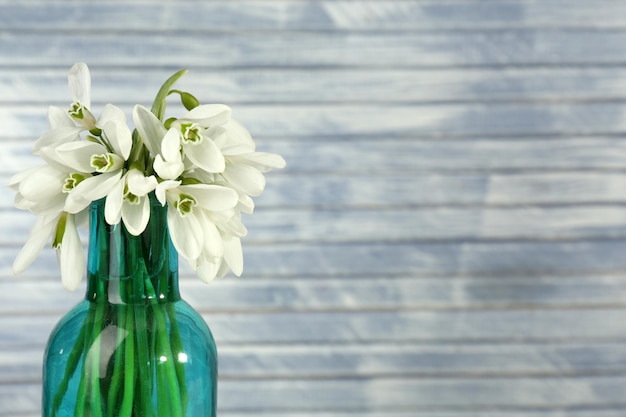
(550, 394)
(23, 364)
(495, 326)
(310, 85)
(389, 127)
(407, 224)
(328, 260)
(319, 15)
(322, 49)
(588, 412)
(252, 294)
(409, 158)
(593, 412)
(416, 189)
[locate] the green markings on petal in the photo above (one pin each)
(106, 162)
(130, 197)
(190, 133)
(185, 204)
(72, 181)
(77, 111)
(60, 231)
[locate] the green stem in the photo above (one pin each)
(177, 347)
(81, 395)
(158, 106)
(126, 410)
(94, 353)
(164, 351)
(72, 363)
(116, 380)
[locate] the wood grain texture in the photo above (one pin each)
(323, 49)
(448, 238)
(320, 15)
(319, 85)
(398, 395)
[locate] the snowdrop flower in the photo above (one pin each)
(97, 168)
(195, 130)
(79, 80)
(62, 229)
(203, 165)
(169, 163)
(190, 210)
(128, 201)
(66, 126)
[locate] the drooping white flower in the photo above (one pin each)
(70, 254)
(169, 162)
(128, 201)
(195, 131)
(79, 80)
(100, 167)
(61, 228)
(190, 208)
(205, 169)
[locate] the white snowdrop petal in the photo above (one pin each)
(110, 113)
(71, 256)
(236, 133)
(39, 235)
(212, 197)
(75, 155)
(42, 184)
(209, 114)
(170, 145)
(120, 137)
(185, 233)
(263, 161)
(79, 81)
(207, 270)
(113, 203)
(168, 170)
(213, 246)
(138, 184)
(233, 254)
(205, 155)
(57, 136)
(91, 189)
(245, 178)
(161, 190)
(150, 129)
(58, 117)
(136, 216)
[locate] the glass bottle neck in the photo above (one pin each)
(127, 269)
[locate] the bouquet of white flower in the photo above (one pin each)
(202, 164)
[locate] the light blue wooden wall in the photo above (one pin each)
(449, 238)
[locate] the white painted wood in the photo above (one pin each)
(448, 238)
(124, 85)
(385, 49)
(367, 327)
(327, 260)
(397, 395)
(381, 361)
(408, 224)
(320, 15)
(250, 294)
(423, 189)
(384, 124)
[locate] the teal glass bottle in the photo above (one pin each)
(132, 347)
